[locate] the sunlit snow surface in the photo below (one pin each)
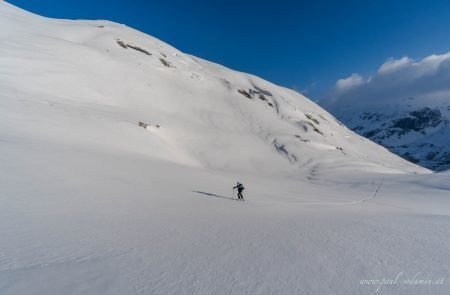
(92, 203)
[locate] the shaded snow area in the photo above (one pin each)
(118, 154)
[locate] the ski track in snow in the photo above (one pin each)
(372, 196)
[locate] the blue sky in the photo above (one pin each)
(305, 45)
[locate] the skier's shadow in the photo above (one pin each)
(213, 195)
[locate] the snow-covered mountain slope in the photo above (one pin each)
(118, 154)
(94, 81)
(416, 128)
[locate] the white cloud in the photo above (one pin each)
(395, 79)
(350, 82)
(393, 65)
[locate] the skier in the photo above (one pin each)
(240, 188)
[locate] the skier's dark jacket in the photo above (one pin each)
(240, 187)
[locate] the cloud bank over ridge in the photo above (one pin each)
(427, 78)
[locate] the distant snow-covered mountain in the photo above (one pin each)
(418, 129)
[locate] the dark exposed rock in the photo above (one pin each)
(139, 49)
(314, 128)
(323, 117)
(424, 118)
(122, 44)
(302, 139)
(309, 116)
(146, 125)
(357, 128)
(166, 63)
(143, 125)
(126, 46)
(431, 155)
(245, 93)
(253, 92)
(259, 93)
(374, 117)
(372, 133)
(265, 92)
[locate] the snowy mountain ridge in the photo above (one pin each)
(418, 129)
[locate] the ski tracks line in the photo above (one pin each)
(372, 196)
